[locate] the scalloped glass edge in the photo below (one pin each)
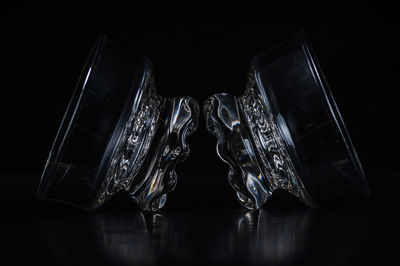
(150, 143)
(153, 142)
(251, 142)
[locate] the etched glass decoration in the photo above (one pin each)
(117, 134)
(285, 132)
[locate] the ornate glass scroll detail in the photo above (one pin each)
(152, 143)
(250, 142)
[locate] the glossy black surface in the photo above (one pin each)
(200, 231)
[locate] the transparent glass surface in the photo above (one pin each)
(117, 134)
(285, 132)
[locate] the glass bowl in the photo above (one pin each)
(117, 134)
(285, 132)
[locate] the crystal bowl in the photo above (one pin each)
(117, 134)
(285, 132)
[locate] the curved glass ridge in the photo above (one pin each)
(285, 132)
(117, 134)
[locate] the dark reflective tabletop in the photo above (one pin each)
(199, 231)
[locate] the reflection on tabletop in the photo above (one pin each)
(246, 237)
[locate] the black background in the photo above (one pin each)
(197, 52)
